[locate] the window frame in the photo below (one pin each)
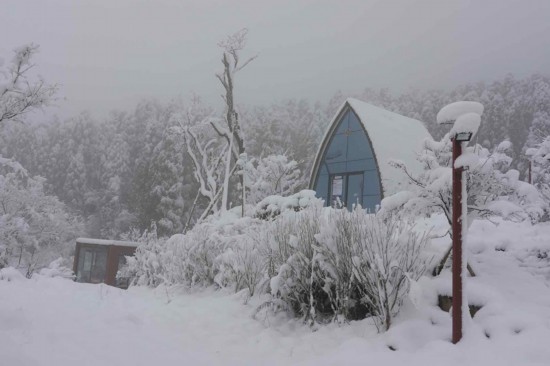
(345, 181)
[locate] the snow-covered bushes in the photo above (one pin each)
(320, 264)
(341, 265)
(289, 249)
(272, 206)
(58, 268)
(146, 267)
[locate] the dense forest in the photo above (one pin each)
(132, 169)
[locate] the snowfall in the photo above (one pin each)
(57, 322)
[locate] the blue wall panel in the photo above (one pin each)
(372, 183)
(360, 165)
(337, 149)
(349, 153)
(370, 203)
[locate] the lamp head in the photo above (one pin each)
(463, 136)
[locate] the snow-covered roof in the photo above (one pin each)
(106, 242)
(392, 136)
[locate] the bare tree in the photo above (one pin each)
(231, 132)
(211, 159)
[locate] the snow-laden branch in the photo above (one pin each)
(18, 93)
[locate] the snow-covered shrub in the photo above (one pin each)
(332, 264)
(390, 255)
(320, 264)
(195, 256)
(241, 265)
(366, 263)
(340, 240)
(540, 170)
(58, 268)
(289, 250)
(146, 266)
(214, 252)
(272, 206)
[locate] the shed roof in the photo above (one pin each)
(392, 136)
(106, 242)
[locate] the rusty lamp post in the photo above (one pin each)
(466, 118)
(459, 194)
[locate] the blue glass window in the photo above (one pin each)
(348, 171)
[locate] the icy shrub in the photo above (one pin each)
(369, 263)
(289, 250)
(272, 206)
(58, 268)
(241, 265)
(193, 256)
(146, 267)
(335, 265)
(320, 264)
(340, 242)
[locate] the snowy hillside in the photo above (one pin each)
(53, 321)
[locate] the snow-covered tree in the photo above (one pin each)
(19, 93)
(35, 228)
(493, 189)
(540, 169)
(231, 131)
(291, 127)
(272, 175)
(214, 159)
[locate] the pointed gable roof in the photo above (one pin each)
(392, 137)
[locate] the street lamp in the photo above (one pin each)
(466, 118)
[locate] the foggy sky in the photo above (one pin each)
(110, 54)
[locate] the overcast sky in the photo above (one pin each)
(110, 54)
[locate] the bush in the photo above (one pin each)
(320, 264)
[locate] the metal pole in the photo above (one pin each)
(457, 245)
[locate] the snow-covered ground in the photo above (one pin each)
(53, 321)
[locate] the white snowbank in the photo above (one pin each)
(53, 321)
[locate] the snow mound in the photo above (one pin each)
(466, 123)
(11, 274)
(451, 112)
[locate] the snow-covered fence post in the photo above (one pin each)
(467, 118)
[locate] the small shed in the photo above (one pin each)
(351, 165)
(98, 260)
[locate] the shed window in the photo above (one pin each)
(92, 263)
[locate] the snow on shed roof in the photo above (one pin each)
(106, 242)
(392, 136)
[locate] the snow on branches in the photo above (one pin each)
(493, 188)
(317, 263)
(35, 228)
(19, 94)
(540, 169)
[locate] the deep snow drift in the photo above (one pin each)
(54, 321)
